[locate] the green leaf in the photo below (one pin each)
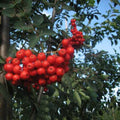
(68, 101)
(67, 7)
(9, 4)
(84, 95)
(38, 19)
(27, 6)
(116, 11)
(56, 93)
(96, 17)
(46, 32)
(77, 98)
(6, 5)
(33, 40)
(9, 12)
(24, 8)
(64, 118)
(21, 25)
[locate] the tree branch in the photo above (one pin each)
(5, 109)
(4, 45)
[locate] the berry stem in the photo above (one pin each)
(56, 50)
(40, 93)
(33, 116)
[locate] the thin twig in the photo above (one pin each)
(39, 95)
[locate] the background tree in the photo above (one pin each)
(82, 93)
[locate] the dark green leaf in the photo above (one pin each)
(96, 17)
(21, 25)
(33, 40)
(10, 12)
(38, 19)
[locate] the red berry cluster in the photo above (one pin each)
(28, 69)
(77, 39)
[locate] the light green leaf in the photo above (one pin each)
(77, 98)
(84, 95)
(68, 101)
(64, 118)
(56, 93)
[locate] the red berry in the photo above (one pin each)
(66, 68)
(8, 59)
(33, 73)
(49, 82)
(45, 89)
(65, 42)
(60, 71)
(25, 68)
(24, 75)
(41, 71)
(70, 50)
(15, 61)
(51, 70)
(67, 57)
(20, 54)
(25, 60)
(14, 82)
(8, 76)
(37, 63)
(28, 52)
(51, 59)
(59, 60)
(53, 78)
(16, 77)
(45, 64)
(32, 58)
(62, 52)
(42, 81)
(8, 67)
(73, 24)
(41, 56)
(30, 66)
(17, 69)
(73, 20)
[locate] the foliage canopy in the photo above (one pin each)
(82, 93)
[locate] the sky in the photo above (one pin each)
(106, 44)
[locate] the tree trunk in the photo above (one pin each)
(5, 110)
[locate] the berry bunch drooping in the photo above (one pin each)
(77, 39)
(28, 69)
